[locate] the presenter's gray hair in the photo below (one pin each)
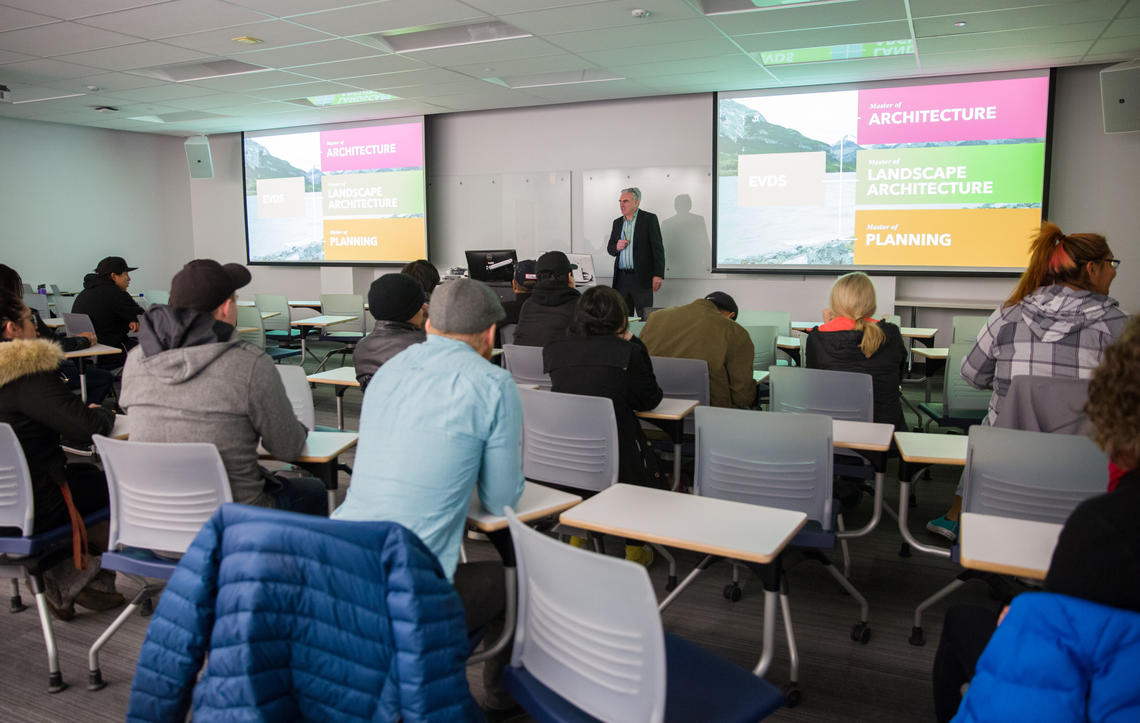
(635, 191)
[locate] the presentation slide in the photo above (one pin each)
(336, 194)
(931, 177)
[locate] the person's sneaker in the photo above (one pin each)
(944, 527)
(99, 600)
(60, 612)
(579, 542)
(641, 554)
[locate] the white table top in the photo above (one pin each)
(946, 304)
(341, 376)
(320, 447)
(53, 322)
(870, 436)
(323, 321)
(246, 329)
(97, 350)
(918, 332)
(788, 342)
(269, 314)
(933, 352)
(716, 527)
(120, 431)
(928, 448)
(1006, 545)
(760, 375)
(246, 302)
(304, 304)
(537, 501)
(669, 408)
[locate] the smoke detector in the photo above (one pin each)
(640, 13)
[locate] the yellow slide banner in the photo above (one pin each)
(987, 237)
(374, 239)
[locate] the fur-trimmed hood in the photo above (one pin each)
(22, 357)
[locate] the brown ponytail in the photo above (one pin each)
(1059, 258)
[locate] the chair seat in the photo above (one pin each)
(36, 544)
(342, 336)
(937, 412)
(813, 536)
(700, 686)
(276, 352)
(136, 561)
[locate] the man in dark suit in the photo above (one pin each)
(638, 251)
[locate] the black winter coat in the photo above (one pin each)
(111, 309)
(545, 316)
(609, 366)
(839, 351)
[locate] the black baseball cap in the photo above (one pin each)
(113, 265)
(204, 284)
(526, 273)
(555, 262)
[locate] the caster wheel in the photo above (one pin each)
(793, 695)
(671, 583)
(904, 550)
(917, 637)
(860, 633)
(146, 608)
(733, 592)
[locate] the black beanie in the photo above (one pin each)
(395, 297)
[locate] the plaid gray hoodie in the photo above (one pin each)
(1054, 332)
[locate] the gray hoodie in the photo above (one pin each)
(190, 380)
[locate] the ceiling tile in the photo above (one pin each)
(933, 8)
(1123, 27)
(675, 31)
(8, 57)
(139, 55)
(726, 64)
(71, 9)
(273, 33)
(1131, 10)
(817, 37)
(661, 53)
(13, 19)
(1123, 48)
(502, 7)
(288, 8)
(390, 15)
(303, 90)
(163, 93)
(1010, 38)
(393, 82)
(218, 100)
(547, 64)
(364, 66)
(589, 91)
(487, 52)
(844, 71)
(324, 51)
(60, 38)
(600, 16)
(43, 69)
(1035, 17)
(252, 81)
(464, 86)
(178, 17)
(779, 19)
(111, 82)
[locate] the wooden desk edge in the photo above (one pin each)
(913, 459)
(648, 414)
(1015, 570)
(335, 382)
(685, 544)
(498, 523)
(866, 447)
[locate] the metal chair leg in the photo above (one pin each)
(55, 678)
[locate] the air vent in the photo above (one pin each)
(183, 72)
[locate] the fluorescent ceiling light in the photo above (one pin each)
(829, 53)
(185, 72)
(408, 41)
(725, 7)
(543, 80)
(347, 98)
(53, 97)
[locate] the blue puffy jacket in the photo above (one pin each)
(1058, 658)
(305, 618)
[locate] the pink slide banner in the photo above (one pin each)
(373, 149)
(986, 110)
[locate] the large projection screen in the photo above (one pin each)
(943, 176)
(351, 194)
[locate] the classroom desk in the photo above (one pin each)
(718, 528)
(269, 314)
(79, 355)
(1006, 545)
(342, 379)
(867, 437)
(319, 322)
(924, 449)
(673, 413)
(759, 375)
(319, 456)
(916, 304)
(246, 302)
(305, 304)
(931, 354)
(120, 430)
(53, 322)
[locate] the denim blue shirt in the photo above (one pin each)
(438, 420)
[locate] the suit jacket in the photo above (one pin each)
(648, 248)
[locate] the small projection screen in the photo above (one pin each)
(350, 194)
(943, 175)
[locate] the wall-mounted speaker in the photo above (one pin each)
(198, 157)
(1120, 97)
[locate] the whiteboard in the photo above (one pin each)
(528, 212)
(680, 196)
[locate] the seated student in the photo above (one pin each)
(422, 271)
(191, 379)
(399, 305)
(1072, 652)
(41, 410)
(546, 314)
(600, 357)
(850, 340)
(99, 381)
(439, 422)
(526, 276)
(705, 330)
(114, 313)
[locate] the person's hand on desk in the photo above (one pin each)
(657, 283)
(89, 336)
(621, 244)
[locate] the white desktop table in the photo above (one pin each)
(867, 437)
(675, 411)
(342, 379)
(925, 449)
(319, 456)
(320, 322)
(537, 501)
(734, 530)
(79, 355)
(1007, 545)
(53, 322)
(934, 353)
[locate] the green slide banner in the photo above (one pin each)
(1005, 173)
(384, 193)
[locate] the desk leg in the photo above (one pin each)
(677, 466)
(340, 407)
(767, 652)
(327, 473)
(701, 566)
(904, 520)
(82, 379)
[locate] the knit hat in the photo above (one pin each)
(465, 306)
(723, 301)
(204, 284)
(395, 297)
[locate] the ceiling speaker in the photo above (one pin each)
(1120, 97)
(198, 157)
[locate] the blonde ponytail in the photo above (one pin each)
(853, 296)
